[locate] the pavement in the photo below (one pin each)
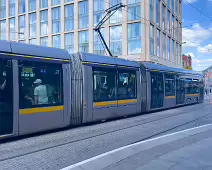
(60, 149)
(184, 150)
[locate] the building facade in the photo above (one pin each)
(187, 61)
(143, 30)
(208, 79)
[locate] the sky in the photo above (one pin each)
(198, 34)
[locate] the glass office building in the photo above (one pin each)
(143, 30)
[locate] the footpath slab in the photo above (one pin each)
(188, 149)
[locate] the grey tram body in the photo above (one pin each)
(78, 105)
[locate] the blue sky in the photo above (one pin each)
(200, 33)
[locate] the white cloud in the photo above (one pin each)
(136, 51)
(196, 35)
(205, 49)
(116, 32)
(116, 15)
(201, 64)
(191, 1)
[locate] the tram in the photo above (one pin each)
(45, 88)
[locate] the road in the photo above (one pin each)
(62, 148)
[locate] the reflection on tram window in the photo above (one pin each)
(104, 84)
(169, 85)
(126, 84)
(6, 80)
(195, 86)
(189, 86)
(40, 84)
(157, 90)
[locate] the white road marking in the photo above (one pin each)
(124, 147)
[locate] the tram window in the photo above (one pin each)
(104, 84)
(40, 84)
(189, 86)
(169, 85)
(196, 86)
(6, 80)
(126, 84)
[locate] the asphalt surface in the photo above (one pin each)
(60, 149)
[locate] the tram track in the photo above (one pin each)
(116, 130)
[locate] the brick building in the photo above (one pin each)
(187, 61)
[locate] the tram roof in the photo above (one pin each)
(153, 66)
(94, 58)
(33, 50)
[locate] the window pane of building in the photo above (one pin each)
(56, 41)
(3, 30)
(32, 5)
(117, 16)
(169, 48)
(134, 10)
(176, 29)
(177, 7)
(173, 52)
(151, 10)
(69, 42)
(32, 24)
(12, 28)
(22, 6)
(134, 38)
(173, 6)
(22, 26)
(169, 3)
(158, 12)
(56, 20)
(44, 22)
(43, 3)
(55, 2)
(12, 8)
(173, 29)
(177, 59)
(69, 17)
(2, 9)
(163, 17)
(99, 7)
(164, 46)
(44, 41)
(168, 22)
(98, 46)
(33, 41)
(158, 42)
(116, 40)
(152, 36)
(69, 0)
(84, 41)
(83, 14)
